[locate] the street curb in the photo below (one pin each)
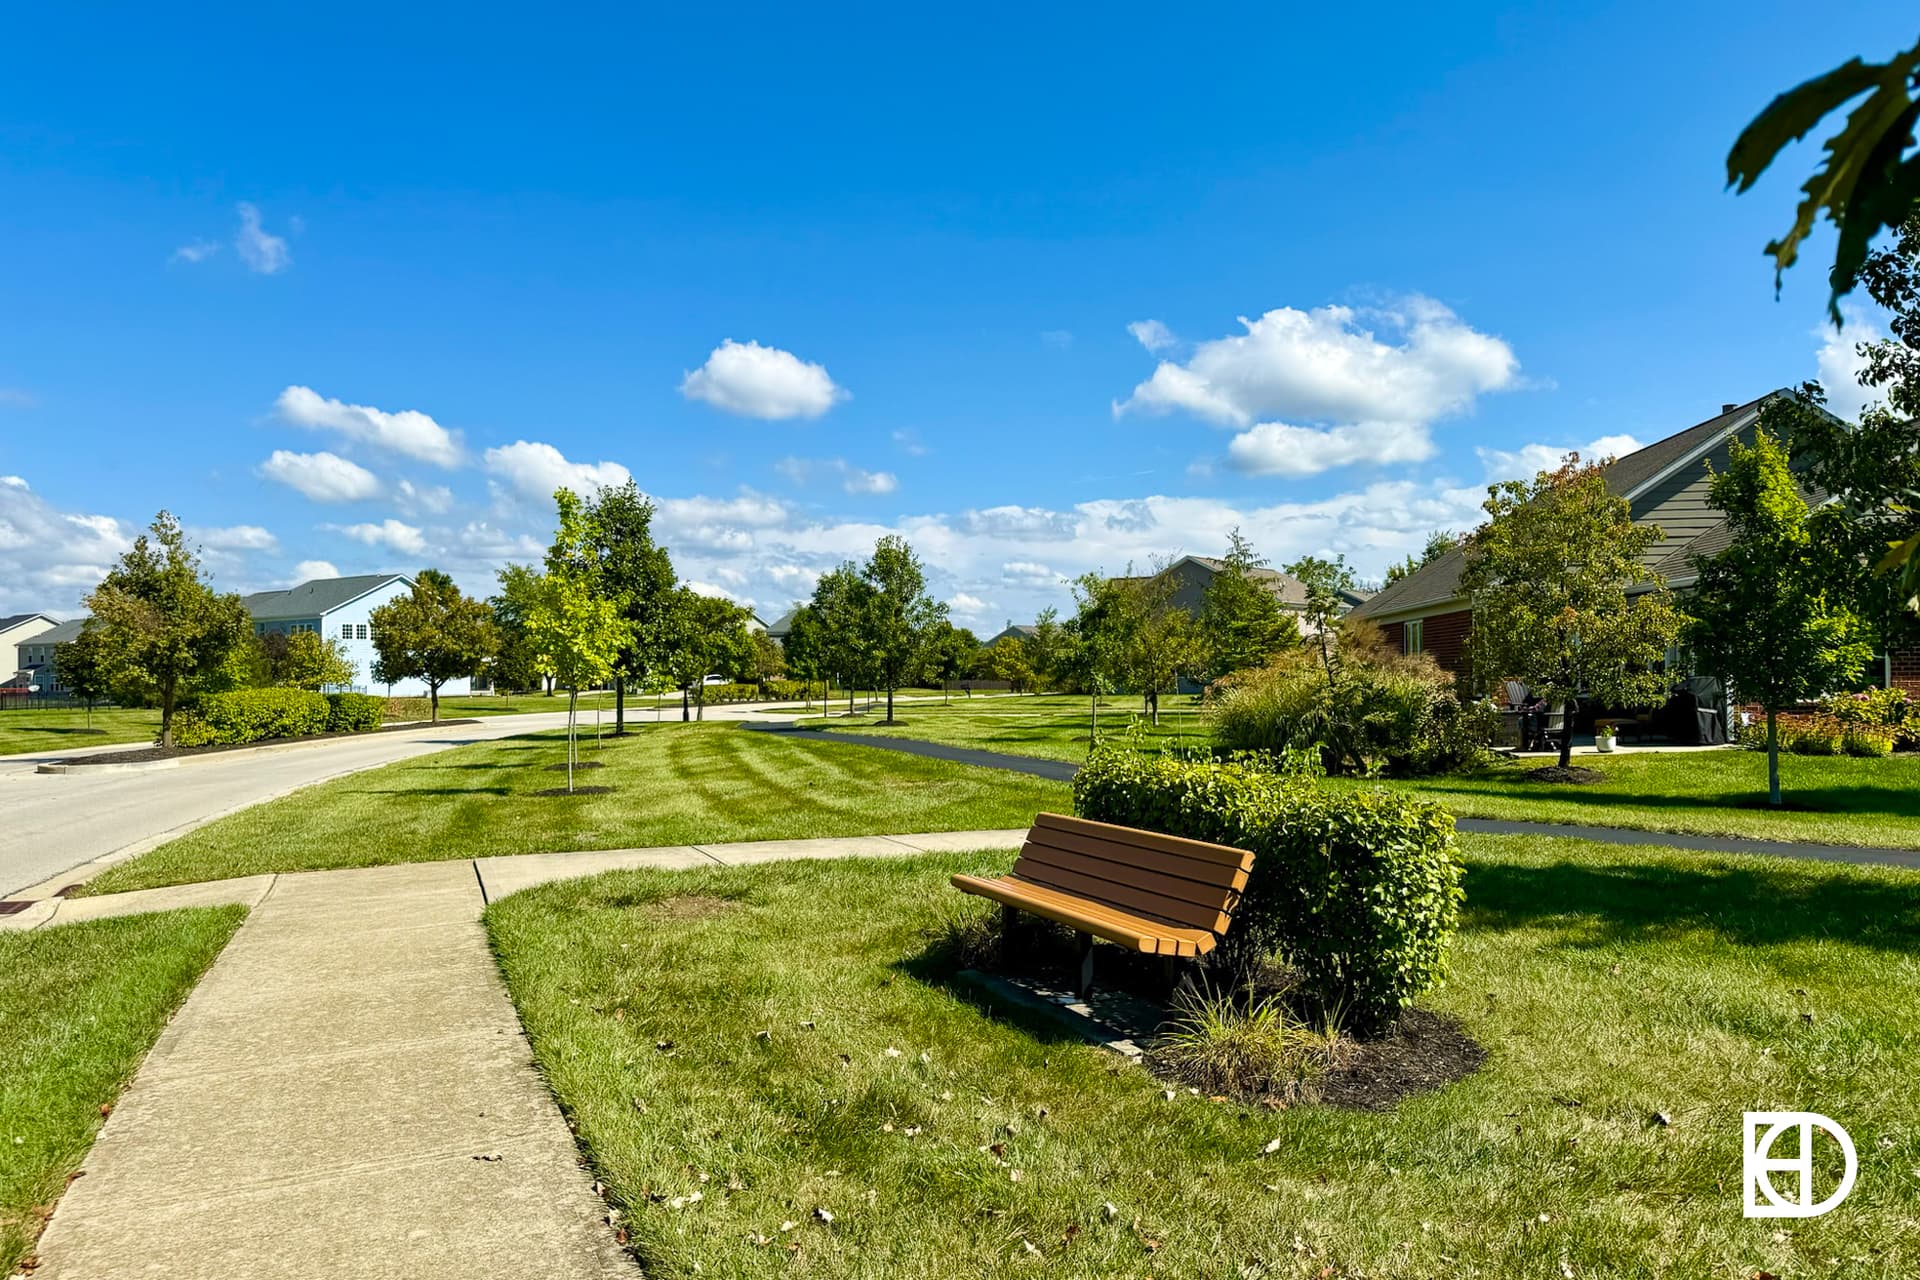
(247, 753)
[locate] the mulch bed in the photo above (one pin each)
(139, 755)
(1424, 1052)
(578, 765)
(1572, 773)
(577, 791)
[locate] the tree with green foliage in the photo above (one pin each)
(951, 653)
(84, 668)
(626, 566)
(302, 660)
(1007, 660)
(706, 635)
(516, 663)
(768, 661)
(1048, 649)
(161, 628)
(900, 615)
(1097, 631)
(1328, 585)
(1764, 616)
(579, 631)
(434, 633)
(841, 601)
(1439, 542)
(805, 650)
(1241, 622)
(1867, 182)
(1562, 599)
(1158, 640)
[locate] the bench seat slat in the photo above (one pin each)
(1132, 899)
(1136, 933)
(1147, 839)
(1106, 866)
(1213, 876)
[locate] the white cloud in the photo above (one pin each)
(749, 508)
(1029, 572)
(323, 477)
(1019, 522)
(1152, 335)
(856, 480)
(423, 499)
(239, 537)
(1530, 459)
(404, 538)
(1840, 362)
(49, 558)
(762, 382)
(408, 431)
(535, 470)
(264, 253)
(307, 570)
(195, 251)
(965, 605)
(1312, 390)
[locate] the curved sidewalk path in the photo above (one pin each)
(1064, 770)
(348, 1092)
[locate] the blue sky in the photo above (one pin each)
(353, 289)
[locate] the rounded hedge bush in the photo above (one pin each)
(250, 715)
(354, 712)
(1357, 891)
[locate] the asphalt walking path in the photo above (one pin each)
(1063, 770)
(348, 1092)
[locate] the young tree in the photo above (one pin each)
(1549, 574)
(1157, 639)
(900, 613)
(1007, 660)
(1098, 632)
(841, 601)
(951, 652)
(516, 663)
(1327, 583)
(302, 660)
(160, 626)
(624, 564)
(1047, 649)
(768, 662)
(1764, 617)
(706, 636)
(84, 668)
(434, 633)
(1241, 622)
(578, 630)
(805, 650)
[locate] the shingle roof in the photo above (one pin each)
(317, 596)
(1287, 588)
(1438, 582)
(13, 620)
(60, 633)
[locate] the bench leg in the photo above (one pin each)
(1177, 973)
(1009, 932)
(1086, 964)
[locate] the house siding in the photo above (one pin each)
(1904, 670)
(1443, 635)
(1678, 504)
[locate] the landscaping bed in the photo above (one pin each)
(794, 1082)
(80, 1005)
(1049, 726)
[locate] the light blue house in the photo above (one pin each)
(340, 609)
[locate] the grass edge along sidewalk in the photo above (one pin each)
(743, 1049)
(80, 1005)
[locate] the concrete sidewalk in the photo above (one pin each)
(348, 1092)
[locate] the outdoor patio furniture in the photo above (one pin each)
(1150, 893)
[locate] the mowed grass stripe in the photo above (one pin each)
(673, 784)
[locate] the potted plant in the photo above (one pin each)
(1603, 739)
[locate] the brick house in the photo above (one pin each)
(1664, 484)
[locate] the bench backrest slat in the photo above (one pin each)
(1185, 883)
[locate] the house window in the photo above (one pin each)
(1413, 636)
(360, 631)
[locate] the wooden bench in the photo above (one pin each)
(1154, 894)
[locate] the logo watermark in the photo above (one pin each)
(1758, 1164)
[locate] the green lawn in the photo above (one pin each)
(675, 784)
(80, 1005)
(1847, 801)
(1053, 726)
(727, 1033)
(60, 729)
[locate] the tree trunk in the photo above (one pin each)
(1566, 732)
(1154, 698)
(686, 712)
(700, 703)
(1093, 717)
(1773, 760)
(619, 706)
(573, 703)
(166, 714)
(433, 700)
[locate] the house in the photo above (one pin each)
(1664, 484)
(1193, 574)
(340, 609)
(16, 631)
(1012, 631)
(35, 662)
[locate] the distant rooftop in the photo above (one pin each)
(315, 597)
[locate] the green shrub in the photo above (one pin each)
(354, 712)
(1357, 891)
(772, 691)
(250, 715)
(1867, 740)
(1802, 735)
(1884, 709)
